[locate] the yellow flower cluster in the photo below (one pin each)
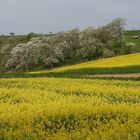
(69, 109)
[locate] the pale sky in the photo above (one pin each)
(43, 16)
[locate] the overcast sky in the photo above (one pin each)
(43, 16)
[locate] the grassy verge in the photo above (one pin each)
(76, 73)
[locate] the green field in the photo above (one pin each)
(128, 37)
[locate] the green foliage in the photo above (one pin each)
(129, 48)
(49, 51)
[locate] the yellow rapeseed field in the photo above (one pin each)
(69, 109)
(119, 61)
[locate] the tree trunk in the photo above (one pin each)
(26, 67)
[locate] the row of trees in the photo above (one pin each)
(54, 50)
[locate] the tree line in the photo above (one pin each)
(64, 47)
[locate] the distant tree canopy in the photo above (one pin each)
(55, 50)
(12, 33)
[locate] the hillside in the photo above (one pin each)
(128, 38)
(115, 65)
(118, 61)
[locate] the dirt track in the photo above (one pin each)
(134, 75)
